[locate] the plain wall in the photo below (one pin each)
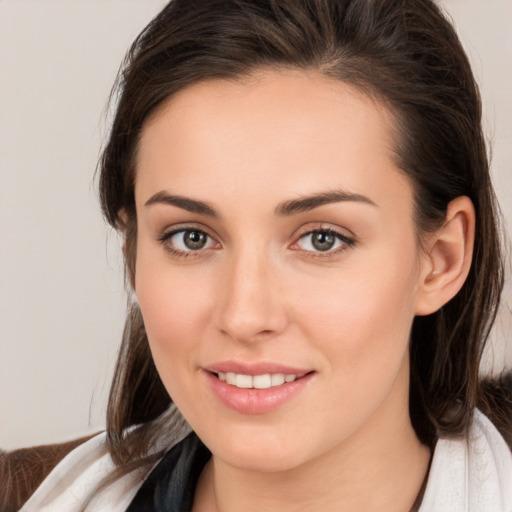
(61, 283)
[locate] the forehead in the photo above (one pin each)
(279, 131)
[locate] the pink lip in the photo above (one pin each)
(255, 401)
(260, 368)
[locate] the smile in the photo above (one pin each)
(263, 381)
(257, 388)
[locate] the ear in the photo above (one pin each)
(122, 215)
(447, 258)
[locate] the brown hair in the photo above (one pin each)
(403, 52)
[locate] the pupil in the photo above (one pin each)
(195, 240)
(323, 241)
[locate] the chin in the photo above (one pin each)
(259, 459)
(257, 448)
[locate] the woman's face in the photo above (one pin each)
(277, 266)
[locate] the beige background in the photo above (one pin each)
(61, 290)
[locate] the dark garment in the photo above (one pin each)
(170, 487)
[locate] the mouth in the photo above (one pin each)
(262, 381)
(257, 389)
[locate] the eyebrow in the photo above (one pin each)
(191, 205)
(308, 203)
(285, 209)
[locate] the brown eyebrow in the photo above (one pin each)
(306, 204)
(191, 205)
(284, 209)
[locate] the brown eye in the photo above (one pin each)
(188, 240)
(194, 240)
(323, 241)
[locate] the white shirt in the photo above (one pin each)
(473, 474)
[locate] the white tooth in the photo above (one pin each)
(277, 379)
(290, 378)
(243, 381)
(262, 381)
(222, 376)
(231, 378)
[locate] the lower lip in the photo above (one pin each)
(256, 401)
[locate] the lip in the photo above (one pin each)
(259, 368)
(256, 401)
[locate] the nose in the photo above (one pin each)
(250, 305)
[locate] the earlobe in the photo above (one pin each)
(122, 219)
(447, 259)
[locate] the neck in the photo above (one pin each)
(374, 470)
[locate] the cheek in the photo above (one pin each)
(362, 317)
(362, 332)
(175, 305)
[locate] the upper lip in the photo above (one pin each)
(255, 368)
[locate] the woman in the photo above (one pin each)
(311, 240)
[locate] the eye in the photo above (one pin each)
(324, 240)
(188, 240)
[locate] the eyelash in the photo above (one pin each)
(346, 242)
(165, 238)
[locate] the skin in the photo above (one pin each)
(260, 291)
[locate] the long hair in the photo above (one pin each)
(404, 53)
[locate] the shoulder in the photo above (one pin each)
(70, 483)
(473, 473)
(87, 475)
(64, 477)
(23, 470)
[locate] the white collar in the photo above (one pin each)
(471, 474)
